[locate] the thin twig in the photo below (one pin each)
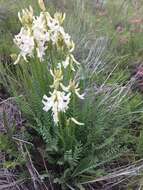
(127, 172)
(11, 98)
(23, 141)
(2, 187)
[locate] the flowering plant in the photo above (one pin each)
(39, 34)
(47, 83)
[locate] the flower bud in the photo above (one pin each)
(26, 17)
(42, 5)
(60, 17)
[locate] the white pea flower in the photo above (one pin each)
(41, 35)
(54, 36)
(39, 21)
(53, 28)
(73, 87)
(25, 42)
(67, 40)
(53, 25)
(41, 52)
(39, 27)
(69, 61)
(60, 17)
(66, 62)
(57, 76)
(57, 102)
(26, 17)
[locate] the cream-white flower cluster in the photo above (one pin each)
(58, 102)
(40, 32)
(60, 97)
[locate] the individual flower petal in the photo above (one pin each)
(47, 101)
(75, 121)
(41, 52)
(66, 62)
(81, 96)
(42, 5)
(64, 88)
(74, 60)
(18, 59)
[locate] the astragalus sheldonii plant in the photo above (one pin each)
(77, 117)
(40, 35)
(46, 74)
